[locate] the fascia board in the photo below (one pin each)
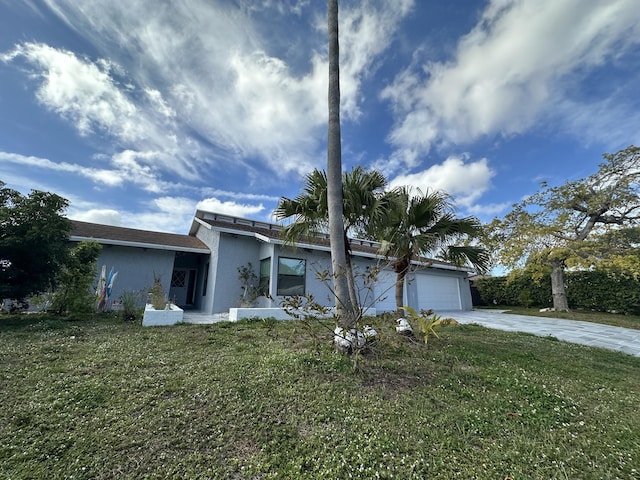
(154, 246)
(194, 228)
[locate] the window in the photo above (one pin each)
(178, 279)
(205, 282)
(265, 276)
(291, 272)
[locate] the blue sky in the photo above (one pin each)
(139, 112)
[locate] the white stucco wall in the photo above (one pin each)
(234, 251)
(205, 295)
(136, 268)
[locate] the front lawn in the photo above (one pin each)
(103, 399)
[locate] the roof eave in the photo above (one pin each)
(154, 246)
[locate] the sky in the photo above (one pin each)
(138, 112)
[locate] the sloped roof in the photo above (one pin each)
(131, 237)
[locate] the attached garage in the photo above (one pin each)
(438, 292)
(429, 288)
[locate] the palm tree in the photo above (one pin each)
(363, 203)
(425, 224)
(344, 308)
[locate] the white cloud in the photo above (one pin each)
(178, 206)
(101, 216)
(99, 175)
(509, 71)
(82, 91)
(365, 33)
(464, 181)
(230, 208)
(489, 210)
(207, 83)
(126, 167)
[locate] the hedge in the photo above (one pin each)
(590, 290)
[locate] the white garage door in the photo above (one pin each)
(438, 292)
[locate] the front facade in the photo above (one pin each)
(200, 270)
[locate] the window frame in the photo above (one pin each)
(264, 277)
(303, 278)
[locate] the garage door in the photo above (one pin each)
(438, 292)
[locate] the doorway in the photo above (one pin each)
(183, 287)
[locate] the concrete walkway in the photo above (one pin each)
(586, 333)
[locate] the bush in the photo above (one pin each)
(603, 292)
(74, 296)
(519, 288)
(596, 290)
(132, 303)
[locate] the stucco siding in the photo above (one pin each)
(237, 252)
(205, 294)
(385, 292)
(136, 268)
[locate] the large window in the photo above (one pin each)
(291, 273)
(265, 276)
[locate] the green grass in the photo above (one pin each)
(104, 399)
(617, 320)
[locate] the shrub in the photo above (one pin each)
(602, 291)
(158, 297)
(74, 296)
(519, 288)
(131, 303)
(597, 290)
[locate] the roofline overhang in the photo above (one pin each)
(197, 221)
(125, 243)
(324, 248)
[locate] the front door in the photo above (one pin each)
(183, 282)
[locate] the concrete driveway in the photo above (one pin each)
(586, 333)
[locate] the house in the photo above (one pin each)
(200, 270)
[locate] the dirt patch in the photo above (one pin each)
(392, 382)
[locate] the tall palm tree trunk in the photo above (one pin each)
(344, 308)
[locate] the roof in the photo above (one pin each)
(131, 237)
(271, 233)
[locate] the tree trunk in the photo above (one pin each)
(558, 291)
(344, 308)
(401, 269)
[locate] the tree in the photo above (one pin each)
(33, 241)
(363, 202)
(422, 224)
(345, 311)
(562, 225)
(74, 294)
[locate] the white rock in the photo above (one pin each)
(403, 326)
(369, 332)
(350, 339)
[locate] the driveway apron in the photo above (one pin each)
(586, 333)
